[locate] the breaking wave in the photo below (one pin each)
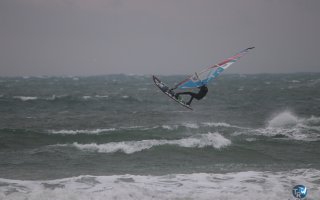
(169, 127)
(24, 98)
(214, 140)
(288, 125)
(191, 125)
(283, 120)
(70, 97)
(251, 185)
(74, 132)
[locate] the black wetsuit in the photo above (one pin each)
(202, 93)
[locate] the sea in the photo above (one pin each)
(119, 137)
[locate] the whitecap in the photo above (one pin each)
(290, 126)
(86, 97)
(294, 81)
(216, 124)
(190, 125)
(74, 132)
(101, 96)
(25, 98)
(52, 98)
(221, 124)
(170, 127)
(283, 119)
(214, 140)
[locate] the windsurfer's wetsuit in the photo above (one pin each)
(202, 93)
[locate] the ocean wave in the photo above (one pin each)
(221, 124)
(98, 131)
(125, 96)
(95, 97)
(251, 185)
(74, 132)
(102, 96)
(190, 125)
(167, 127)
(170, 127)
(25, 98)
(86, 97)
(290, 126)
(284, 119)
(52, 98)
(214, 140)
(43, 98)
(216, 124)
(71, 97)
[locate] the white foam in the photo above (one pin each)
(221, 124)
(251, 185)
(214, 140)
(190, 125)
(170, 127)
(211, 139)
(86, 97)
(102, 130)
(294, 81)
(102, 96)
(73, 132)
(283, 119)
(290, 126)
(25, 98)
(132, 127)
(313, 120)
(53, 97)
(216, 124)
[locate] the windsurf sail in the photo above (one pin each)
(206, 75)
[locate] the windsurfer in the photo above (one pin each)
(202, 93)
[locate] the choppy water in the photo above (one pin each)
(119, 137)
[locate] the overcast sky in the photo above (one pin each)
(96, 37)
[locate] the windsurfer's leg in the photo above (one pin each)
(189, 102)
(184, 93)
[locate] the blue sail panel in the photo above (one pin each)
(195, 81)
(191, 84)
